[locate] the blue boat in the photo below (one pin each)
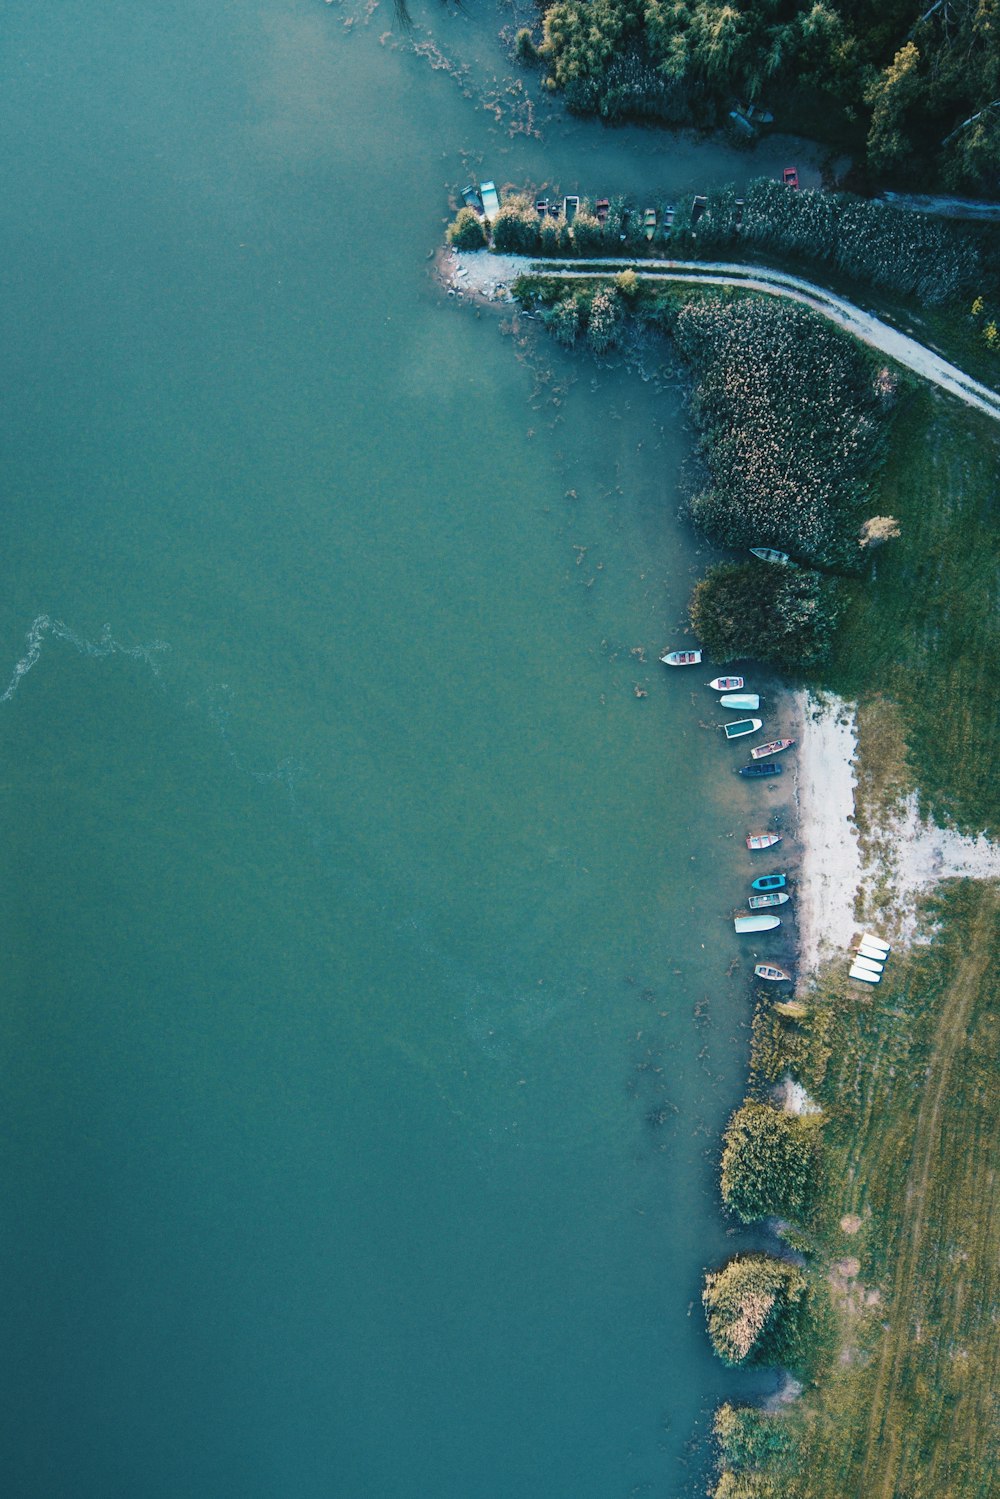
(769, 882)
(759, 769)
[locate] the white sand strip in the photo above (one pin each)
(831, 860)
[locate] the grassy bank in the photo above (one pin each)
(904, 1228)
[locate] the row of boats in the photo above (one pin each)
(869, 958)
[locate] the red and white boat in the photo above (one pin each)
(763, 840)
(726, 684)
(681, 658)
(773, 748)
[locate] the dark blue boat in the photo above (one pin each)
(769, 882)
(760, 768)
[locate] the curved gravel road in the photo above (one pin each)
(484, 274)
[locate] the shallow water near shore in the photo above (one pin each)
(366, 1024)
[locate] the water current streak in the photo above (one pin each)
(106, 645)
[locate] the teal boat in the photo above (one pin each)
(769, 882)
(737, 727)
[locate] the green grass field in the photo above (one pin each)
(923, 629)
(908, 1403)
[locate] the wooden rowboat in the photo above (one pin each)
(773, 747)
(765, 768)
(726, 684)
(761, 902)
(681, 658)
(768, 971)
(769, 554)
(763, 840)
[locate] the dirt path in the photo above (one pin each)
(882, 1448)
(483, 274)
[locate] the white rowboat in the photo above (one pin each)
(756, 923)
(768, 971)
(876, 942)
(875, 953)
(748, 701)
(763, 840)
(868, 964)
(681, 658)
(725, 684)
(737, 728)
(867, 978)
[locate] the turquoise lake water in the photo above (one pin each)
(367, 1031)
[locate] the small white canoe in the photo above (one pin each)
(681, 658)
(868, 964)
(873, 941)
(756, 923)
(726, 684)
(748, 701)
(768, 554)
(875, 953)
(866, 978)
(768, 971)
(738, 727)
(763, 840)
(773, 748)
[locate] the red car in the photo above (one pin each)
(790, 177)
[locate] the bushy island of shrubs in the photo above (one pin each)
(791, 415)
(912, 87)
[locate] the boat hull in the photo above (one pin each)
(748, 701)
(681, 658)
(774, 975)
(760, 902)
(774, 747)
(867, 965)
(763, 840)
(874, 953)
(769, 882)
(874, 941)
(725, 684)
(866, 978)
(770, 554)
(756, 923)
(738, 728)
(759, 772)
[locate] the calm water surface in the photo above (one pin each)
(360, 1091)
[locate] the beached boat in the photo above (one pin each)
(761, 902)
(726, 684)
(681, 658)
(768, 971)
(738, 728)
(874, 941)
(763, 840)
(866, 978)
(769, 882)
(601, 210)
(491, 199)
(570, 208)
(876, 954)
(756, 923)
(745, 700)
(868, 965)
(541, 206)
(471, 198)
(649, 223)
(769, 554)
(759, 771)
(698, 207)
(790, 177)
(773, 747)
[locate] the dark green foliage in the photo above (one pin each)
(516, 228)
(754, 1307)
(525, 47)
(781, 615)
(769, 1162)
(921, 80)
(787, 408)
(467, 232)
(747, 1437)
(563, 320)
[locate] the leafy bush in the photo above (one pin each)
(604, 324)
(790, 423)
(467, 232)
(747, 1437)
(785, 616)
(516, 227)
(752, 1306)
(769, 1161)
(563, 320)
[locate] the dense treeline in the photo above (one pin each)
(769, 1162)
(918, 84)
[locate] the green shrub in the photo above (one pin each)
(785, 616)
(769, 1162)
(516, 227)
(752, 1306)
(467, 232)
(563, 320)
(604, 324)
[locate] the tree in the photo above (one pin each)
(467, 232)
(890, 95)
(877, 530)
(768, 1162)
(752, 1306)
